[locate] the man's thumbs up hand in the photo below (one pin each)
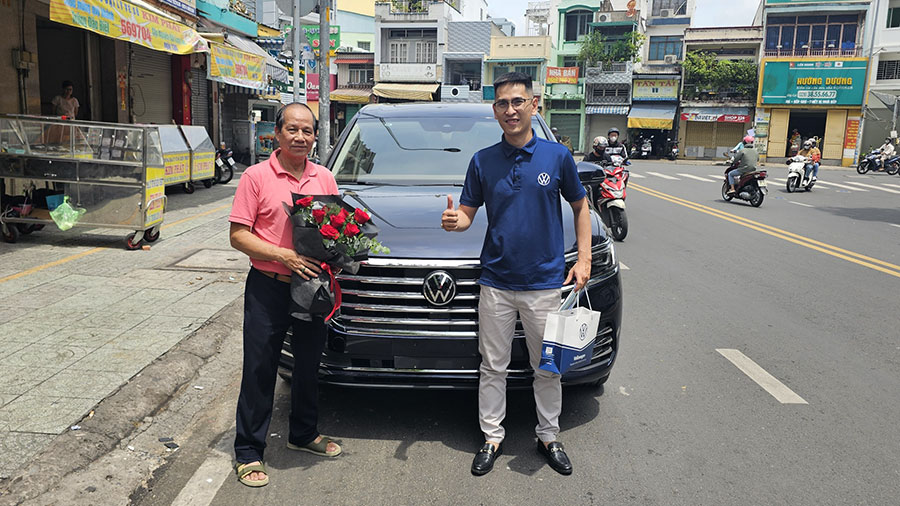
(450, 217)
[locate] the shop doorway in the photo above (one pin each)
(61, 57)
(808, 123)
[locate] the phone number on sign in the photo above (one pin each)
(819, 94)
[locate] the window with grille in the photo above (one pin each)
(571, 105)
(800, 34)
(426, 52)
(893, 17)
(529, 70)
(572, 61)
(364, 45)
(399, 52)
(675, 7)
(661, 46)
(888, 69)
(361, 73)
(578, 23)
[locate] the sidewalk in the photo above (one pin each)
(80, 315)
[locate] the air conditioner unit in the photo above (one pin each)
(603, 18)
(664, 13)
(670, 59)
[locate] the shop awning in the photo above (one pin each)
(654, 116)
(351, 95)
(716, 114)
(137, 22)
(606, 109)
(405, 91)
(273, 68)
(354, 60)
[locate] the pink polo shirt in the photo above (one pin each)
(258, 202)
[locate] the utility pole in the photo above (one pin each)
(295, 45)
(324, 142)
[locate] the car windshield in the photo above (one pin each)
(406, 151)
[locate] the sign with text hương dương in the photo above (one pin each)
(814, 82)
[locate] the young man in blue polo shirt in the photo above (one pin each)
(519, 181)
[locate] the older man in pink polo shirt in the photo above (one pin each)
(260, 228)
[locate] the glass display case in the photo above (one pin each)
(203, 154)
(116, 172)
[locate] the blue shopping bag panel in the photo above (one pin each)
(559, 359)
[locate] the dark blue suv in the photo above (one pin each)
(402, 325)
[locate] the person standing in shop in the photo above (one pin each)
(65, 104)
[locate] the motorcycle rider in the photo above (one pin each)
(745, 162)
(811, 151)
(599, 154)
(887, 151)
(615, 147)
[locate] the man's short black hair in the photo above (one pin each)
(279, 116)
(66, 84)
(514, 78)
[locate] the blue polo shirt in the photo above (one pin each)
(520, 188)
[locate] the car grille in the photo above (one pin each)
(387, 300)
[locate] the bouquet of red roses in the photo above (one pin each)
(336, 234)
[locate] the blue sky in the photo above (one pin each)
(708, 13)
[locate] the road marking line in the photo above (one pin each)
(800, 203)
(769, 383)
(719, 177)
(206, 481)
(95, 250)
(894, 225)
(664, 176)
(850, 188)
(635, 174)
(850, 256)
(698, 178)
(624, 267)
(892, 185)
(874, 187)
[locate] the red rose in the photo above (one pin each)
(329, 232)
(318, 215)
(297, 202)
(305, 201)
(337, 220)
(351, 230)
(360, 216)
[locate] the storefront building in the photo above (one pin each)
(355, 79)
(813, 76)
(654, 103)
(608, 99)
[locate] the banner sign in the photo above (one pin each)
(814, 82)
(121, 20)
(312, 87)
(715, 117)
(562, 75)
(311, 32)
(189, 6)
(655, 89)
(232, 66)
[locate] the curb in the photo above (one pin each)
(120, 415)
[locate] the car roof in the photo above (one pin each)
(427, 109)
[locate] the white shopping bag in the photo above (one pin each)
(569, 337)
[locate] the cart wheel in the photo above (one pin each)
(10, 232)
(208, 183)
(188, 188)
(151, 235)
(25, 229)
(130, 244)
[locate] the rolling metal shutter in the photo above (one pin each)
(200, 99)
(568, 124)
(151, 85)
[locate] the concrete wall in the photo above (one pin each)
(10, 23)
(520, 47)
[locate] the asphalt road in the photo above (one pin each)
(804, 287)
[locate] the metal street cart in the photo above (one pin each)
(177, 157)
(113, 171)
(203, 156)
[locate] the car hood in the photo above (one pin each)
(409, 219)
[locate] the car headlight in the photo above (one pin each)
(603, 259)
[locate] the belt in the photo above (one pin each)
(284, 278)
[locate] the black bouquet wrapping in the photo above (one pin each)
(331, 241)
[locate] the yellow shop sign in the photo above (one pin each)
(121, 20)
(232, 66)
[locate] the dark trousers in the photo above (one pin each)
(266, 320)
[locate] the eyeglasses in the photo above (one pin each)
(517, 103)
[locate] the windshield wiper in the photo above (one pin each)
(401, 146)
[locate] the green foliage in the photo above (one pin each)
(702, 69)
(596, 49)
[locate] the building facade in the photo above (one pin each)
(525, 54)
(813, 74)
(713, 118)
(468, 45)
(884, 76)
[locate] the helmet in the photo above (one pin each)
(748, 139)
(613, 130)
(807, 143)
(600, 142)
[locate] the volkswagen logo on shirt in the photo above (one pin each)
(543, 179)
(439, 288)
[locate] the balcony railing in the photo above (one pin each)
(693, 92)
(417, 6)
(814, 53)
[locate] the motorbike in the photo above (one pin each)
(797, 174)
(605, 184)
(751, 187)
(646, 147)
(872, 161)
(224, 165)
(673, 150)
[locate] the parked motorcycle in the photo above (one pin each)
(224, 165)
(647, 147)
(797, 171)
(751, 187)
(673, 150)
(872, 161)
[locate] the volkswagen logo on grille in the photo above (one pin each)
(439, 288)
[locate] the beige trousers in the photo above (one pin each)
(497, 311)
